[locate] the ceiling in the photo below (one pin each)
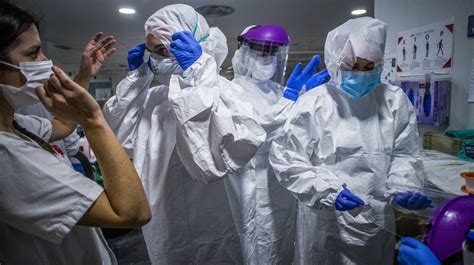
(70, 24)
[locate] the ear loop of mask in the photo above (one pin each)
(11, 65)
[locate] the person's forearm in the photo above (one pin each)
(82, 79)
(61, 129)
(122, 184)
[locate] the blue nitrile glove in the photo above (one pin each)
(135, 56)
(413, 251)
(317, 80)
(413, 201)
(346, 201)
(299, 78)
(185, 48)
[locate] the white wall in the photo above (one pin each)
(401, 15)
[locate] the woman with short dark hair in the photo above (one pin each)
(48, 211)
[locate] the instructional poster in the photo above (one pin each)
(388, 72)
(427, 48)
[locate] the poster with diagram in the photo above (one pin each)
(426, 49)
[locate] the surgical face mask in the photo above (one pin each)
(357, 84)
(36, 74)
(164, 68)
(262, 68)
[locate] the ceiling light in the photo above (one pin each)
(127, 11)
(62, 47)
(357, 12)
(215, 10)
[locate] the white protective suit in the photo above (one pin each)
(264, 212)
(370, 143)
(182, 137)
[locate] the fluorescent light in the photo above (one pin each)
(127, 11)
(357, 12)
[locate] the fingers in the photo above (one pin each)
(55, 92)
(189, 36)
(296, 72)
(134, 54)
(92, 42)
(184, 36)
(109, 45)
(65, 81)
(420, 201)
(179, 36)
(174, 51)
(317, 80)
(354, 199)
(138, 49)
(413, 200)
(61, 75)
(178, 45)
(348, 194)
(402, 260)
(93, 49)
(53, 86)
(323, 74)
(407, 252)
(339, 205)
(357, 200)
(105, 43)
(402, 198)
(312, 66)
(410, 241)
(110, 52)
(107, 39)
(97, 37)
(429, 202)
(348, 203)
(44, 97)
(101, 44)
(423, 202)
(107, 50)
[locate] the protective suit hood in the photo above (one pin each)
(179, 17)
(361, 37)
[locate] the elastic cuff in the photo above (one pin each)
(290, 94)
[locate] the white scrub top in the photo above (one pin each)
(41, 200)
(69, 145)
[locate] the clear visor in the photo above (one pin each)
(261, 62)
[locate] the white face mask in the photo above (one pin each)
(36, 74)
(164, 68)
(262, 68)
